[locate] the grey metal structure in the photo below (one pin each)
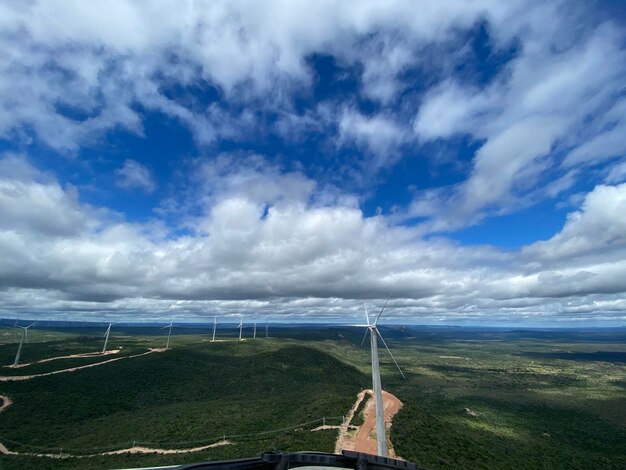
(169, 333)
(106, 338)
(214, 328)
(22, 340)
(372, 329)
(240, 327)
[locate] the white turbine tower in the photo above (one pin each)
(266, 331)
(372, 329)
(22, 340)
(254, 334)
(106, 338)
(169, 333)
(240, 327)
(214, 328)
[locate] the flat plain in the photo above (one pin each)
(473, 398)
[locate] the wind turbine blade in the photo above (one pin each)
(389, 351)
(31, 324)
(381, 310)
(367, 317)
(364, 336)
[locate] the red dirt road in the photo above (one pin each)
(365, 439)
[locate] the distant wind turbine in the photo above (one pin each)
(169, 333)
(214, 328)
(372, 329)
(106, 338)
(266, 332)
(240, 327)
(254, 334)
(22, 340)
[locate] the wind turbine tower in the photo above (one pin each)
(240, 327)
(266, 333)
(372, 329)
(214, 328)
(254, 334)
(106, 338)
(169, 333)
(22, 340)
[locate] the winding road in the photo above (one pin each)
(15, 378)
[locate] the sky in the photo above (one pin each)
(288, 160)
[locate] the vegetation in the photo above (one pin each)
(358, 418)
(188, 396)
(486, 399)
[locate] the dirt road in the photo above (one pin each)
(15, 378)
(365, 438)
(343, 430)
(71, 356)
(6, 402)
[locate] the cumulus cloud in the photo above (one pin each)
(244, 233)
(35, 202)
(598, 228)
(274, 256)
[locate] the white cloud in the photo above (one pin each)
(533, 111)
(71, 72)
(274, 256)
(133, 174)
(599, 228)
(33, 201)
(263, 237)
(617, 173)
(447, 110)
(378, 135)
(608, 140)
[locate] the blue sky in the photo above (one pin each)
(287, 160)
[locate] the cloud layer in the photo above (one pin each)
(535, 114)
(280, 252)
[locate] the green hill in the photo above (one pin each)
(195, 393)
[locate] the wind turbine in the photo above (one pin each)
(169, 333)
(372, 329)
(214, 328)
(266, 333)
(24, 338)
(106, 338)
(240, 327)
(254, 334)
